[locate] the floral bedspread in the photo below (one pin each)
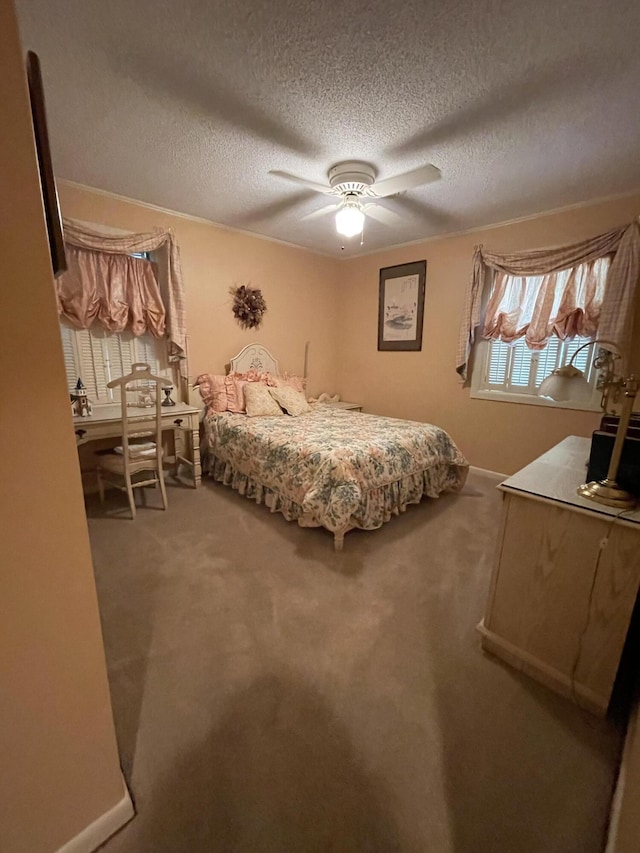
(333, 468)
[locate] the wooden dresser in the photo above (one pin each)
(565, 579)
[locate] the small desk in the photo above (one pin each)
(105, 422)
(565, 579)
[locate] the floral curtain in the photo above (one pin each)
(615, 313)
(160, 241)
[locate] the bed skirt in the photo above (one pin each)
(375, 507)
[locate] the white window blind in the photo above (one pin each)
(97, 356)
(517, 369)
(521, 360)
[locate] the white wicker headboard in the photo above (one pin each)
(254, 357)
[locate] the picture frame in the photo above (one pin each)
(401, 306)
(45, 165)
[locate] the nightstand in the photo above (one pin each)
(342, 404)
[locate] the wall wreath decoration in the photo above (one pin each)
(249, 306)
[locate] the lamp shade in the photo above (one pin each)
(349, 220)
(566, 384)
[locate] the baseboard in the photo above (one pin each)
(485, 472)
(621, 804)
(104, 827)
(616, 807)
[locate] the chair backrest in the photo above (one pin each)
(140, 372)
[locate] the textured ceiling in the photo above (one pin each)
(523, 106)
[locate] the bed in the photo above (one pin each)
(329, 467)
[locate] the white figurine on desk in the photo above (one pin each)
(80, 403)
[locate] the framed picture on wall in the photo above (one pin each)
(47, 180)
(401, 306)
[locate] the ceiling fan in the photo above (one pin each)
(353, 183)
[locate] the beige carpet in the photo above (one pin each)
(271, 695)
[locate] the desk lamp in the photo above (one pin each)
(569, 384)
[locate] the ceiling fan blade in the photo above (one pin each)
(382, 214)
(312, 185)
(435, 217)
(316, 214)
(272, 210)
(569, 76)
(416, 178)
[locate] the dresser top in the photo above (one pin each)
(556, 475)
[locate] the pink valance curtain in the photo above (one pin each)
(117, 291)
(561, 304)
(615, 321)
(169, 273)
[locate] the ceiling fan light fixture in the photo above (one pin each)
(353, 183)
(350, 220)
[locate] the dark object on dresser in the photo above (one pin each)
(609, 423)
(602, 446)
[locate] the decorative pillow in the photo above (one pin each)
(235, 393)
(213, 391)
(292, 401)
(257, 376)
(259, 401)
(290, 380)
(236, 382)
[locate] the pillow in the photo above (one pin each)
(259, 401)
(139, 450)
(257, 376)
(290, 380)
(292, 401)
(235, 393)
(213, 391)
(236, 382)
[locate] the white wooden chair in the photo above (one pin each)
(135, 456)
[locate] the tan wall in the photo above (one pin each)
(334, 304)
(423, 385)
(58, 759)
(300, 287)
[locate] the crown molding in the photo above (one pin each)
(477, 229)
(190, 218)
(342, 259)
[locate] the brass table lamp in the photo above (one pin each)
(569, 384)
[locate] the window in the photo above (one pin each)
(527, 307)
(98, 356)
(514, 372)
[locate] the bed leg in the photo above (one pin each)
(338, 541)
